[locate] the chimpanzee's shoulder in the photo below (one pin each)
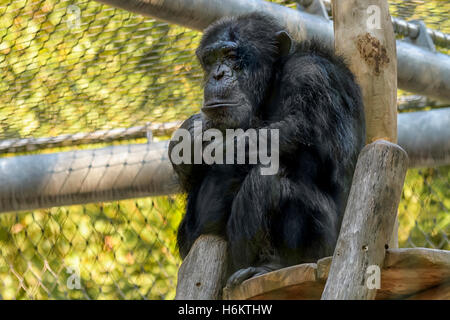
(315, 52)
(314, 60)
(319, 49)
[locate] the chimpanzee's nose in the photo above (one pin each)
(219, 74)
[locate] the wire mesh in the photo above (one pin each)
(76, 67)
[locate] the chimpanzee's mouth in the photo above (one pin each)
(219, 104)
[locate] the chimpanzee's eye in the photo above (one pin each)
(232, 55)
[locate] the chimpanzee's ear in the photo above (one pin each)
(284, 42)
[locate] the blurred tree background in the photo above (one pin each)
(79, 66)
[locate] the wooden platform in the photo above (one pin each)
(416, 273)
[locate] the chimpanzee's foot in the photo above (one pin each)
(243, 274)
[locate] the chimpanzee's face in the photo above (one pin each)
(238, 59)
(226, 103)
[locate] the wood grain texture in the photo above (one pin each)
(368, 221)
(364, 35)
(416, 273)
(323, 268)
(297, 276)
(407, 271)
(441, 292)
(202, 274)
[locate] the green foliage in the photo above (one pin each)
(115, 69)
(424, 210)
(121, 250)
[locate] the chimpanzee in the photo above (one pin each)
(256, 76)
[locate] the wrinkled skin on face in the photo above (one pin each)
(237, 73)
(224, 101)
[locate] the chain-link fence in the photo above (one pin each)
(72, 68)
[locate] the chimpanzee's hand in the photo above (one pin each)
(185, 167)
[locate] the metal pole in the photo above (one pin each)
(425, 135)
(85, 176)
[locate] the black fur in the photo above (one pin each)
(312, 98)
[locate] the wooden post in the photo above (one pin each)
(365, 36)
(368, 220)
(202, 274)
(365, 28)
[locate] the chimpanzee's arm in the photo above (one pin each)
(320, 106)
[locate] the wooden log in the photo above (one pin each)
(413, 270)
(407, 273)
(202, 274)
(323, 268)
(441, 292)
(300, 278)
(418, 258)
(364, 35)
(393, 242)
(368, 220)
